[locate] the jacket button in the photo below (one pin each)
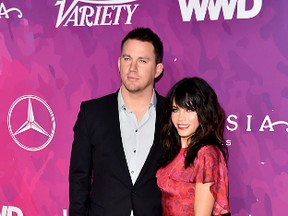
(133, 191)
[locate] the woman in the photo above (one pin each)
(193, 177)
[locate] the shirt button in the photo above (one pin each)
(136, 131)
(134, 151)
(132, 171)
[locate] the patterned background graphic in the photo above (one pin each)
(49, 50)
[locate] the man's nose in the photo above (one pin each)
(133, 66)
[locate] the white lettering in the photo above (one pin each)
(228, 142)
(73, 17)
(65, 212)
(97, 16)
(5, 12)
(228, 8)
(9, 210)
(88, 12)
(105, 15)
(242, 13)
(93, 16)
(61, 14)
(269, 124)
(249, 117)
(187, 9)
(233, 123)
(130, 13)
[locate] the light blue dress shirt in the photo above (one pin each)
(137, 138)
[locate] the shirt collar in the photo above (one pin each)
(121, 103)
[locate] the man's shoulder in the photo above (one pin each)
(160, 99)
(105, 102)
(103, 98)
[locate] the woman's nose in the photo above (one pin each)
(181, 116)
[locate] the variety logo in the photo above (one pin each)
(10, 210)
(5, 12)
(95, 12)
(214, 7)
(31, 123)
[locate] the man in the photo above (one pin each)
(116, 147)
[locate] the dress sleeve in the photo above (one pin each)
(210, 166)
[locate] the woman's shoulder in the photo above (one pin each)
(209, 149)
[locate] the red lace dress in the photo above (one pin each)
(177, 184)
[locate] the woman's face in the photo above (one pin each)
(185, 121)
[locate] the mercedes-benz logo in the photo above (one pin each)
(31, 123)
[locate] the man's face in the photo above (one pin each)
(137, 66)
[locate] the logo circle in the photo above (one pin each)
(31, 123)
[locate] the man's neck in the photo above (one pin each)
(137, 102)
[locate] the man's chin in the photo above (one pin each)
(132, 88)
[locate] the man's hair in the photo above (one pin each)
(146, 35)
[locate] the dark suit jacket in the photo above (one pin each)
(98, 154)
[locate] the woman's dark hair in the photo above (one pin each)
(197, 95)
(146, 35)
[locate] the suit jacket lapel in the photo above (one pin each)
(156, 146)
(119, 150)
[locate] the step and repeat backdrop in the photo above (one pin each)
(56, 53)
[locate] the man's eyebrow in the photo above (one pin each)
(141, 57)
(147, 58)
(125, 55)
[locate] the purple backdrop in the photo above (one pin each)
(55, 54)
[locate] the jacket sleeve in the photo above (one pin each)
(80, 167)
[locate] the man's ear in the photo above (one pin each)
(119, 64)
(159, 69)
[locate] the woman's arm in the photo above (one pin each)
(204, 200)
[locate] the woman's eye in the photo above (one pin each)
(174, 110)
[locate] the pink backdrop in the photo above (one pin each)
(55, 54)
